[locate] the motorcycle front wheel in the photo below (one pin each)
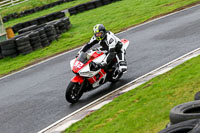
(73, 92)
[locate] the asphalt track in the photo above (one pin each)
(33, 99)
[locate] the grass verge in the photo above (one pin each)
(146, 108)
(116, 17)
(24, 6)
(45, 12)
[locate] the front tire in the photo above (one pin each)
(73, 92)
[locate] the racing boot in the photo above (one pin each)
(122, 62)
(123, 66)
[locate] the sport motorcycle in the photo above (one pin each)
(88, 75)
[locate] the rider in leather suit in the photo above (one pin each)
(110, 43)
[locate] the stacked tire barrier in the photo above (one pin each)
(8, 48)
(30, 11)
(35, 40)
(23, 45)
(1, 56)
(43, 37)
(29, 41)
(185, 118)
(51, 33)
(88, 6)
(38, 22)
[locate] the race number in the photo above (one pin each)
(78, 64)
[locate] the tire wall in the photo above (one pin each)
(34, 37)
(88, 6)
(53, 16)
(31, 11)
(38, 21)
(185, 117)
(44, 29)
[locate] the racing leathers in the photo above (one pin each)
(113, 45)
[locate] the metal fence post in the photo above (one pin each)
(3, 35)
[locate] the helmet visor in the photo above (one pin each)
(99, 34)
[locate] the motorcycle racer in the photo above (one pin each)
(110, 43)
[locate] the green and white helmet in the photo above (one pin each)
(99, 32)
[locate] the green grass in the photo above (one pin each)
(24, 6)
(44, 12)
(146, 108)
(116, 17)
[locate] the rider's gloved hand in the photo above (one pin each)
(101, 65)
(78, 54)
(96, 66)
(95, 49)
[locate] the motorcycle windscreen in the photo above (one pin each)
(83, 58)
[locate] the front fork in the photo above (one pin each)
(81, 81)
(77, 79)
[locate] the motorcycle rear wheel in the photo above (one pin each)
(73, 92)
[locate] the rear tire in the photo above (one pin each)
(73, 94)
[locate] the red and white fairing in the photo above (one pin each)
(83, 70)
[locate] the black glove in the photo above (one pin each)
(78, 54)
(94, 66)
(100, 65)
(95, 49)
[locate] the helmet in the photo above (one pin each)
(99, 32)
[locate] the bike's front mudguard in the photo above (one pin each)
(77, 79)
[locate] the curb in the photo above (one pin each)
(66, 122)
